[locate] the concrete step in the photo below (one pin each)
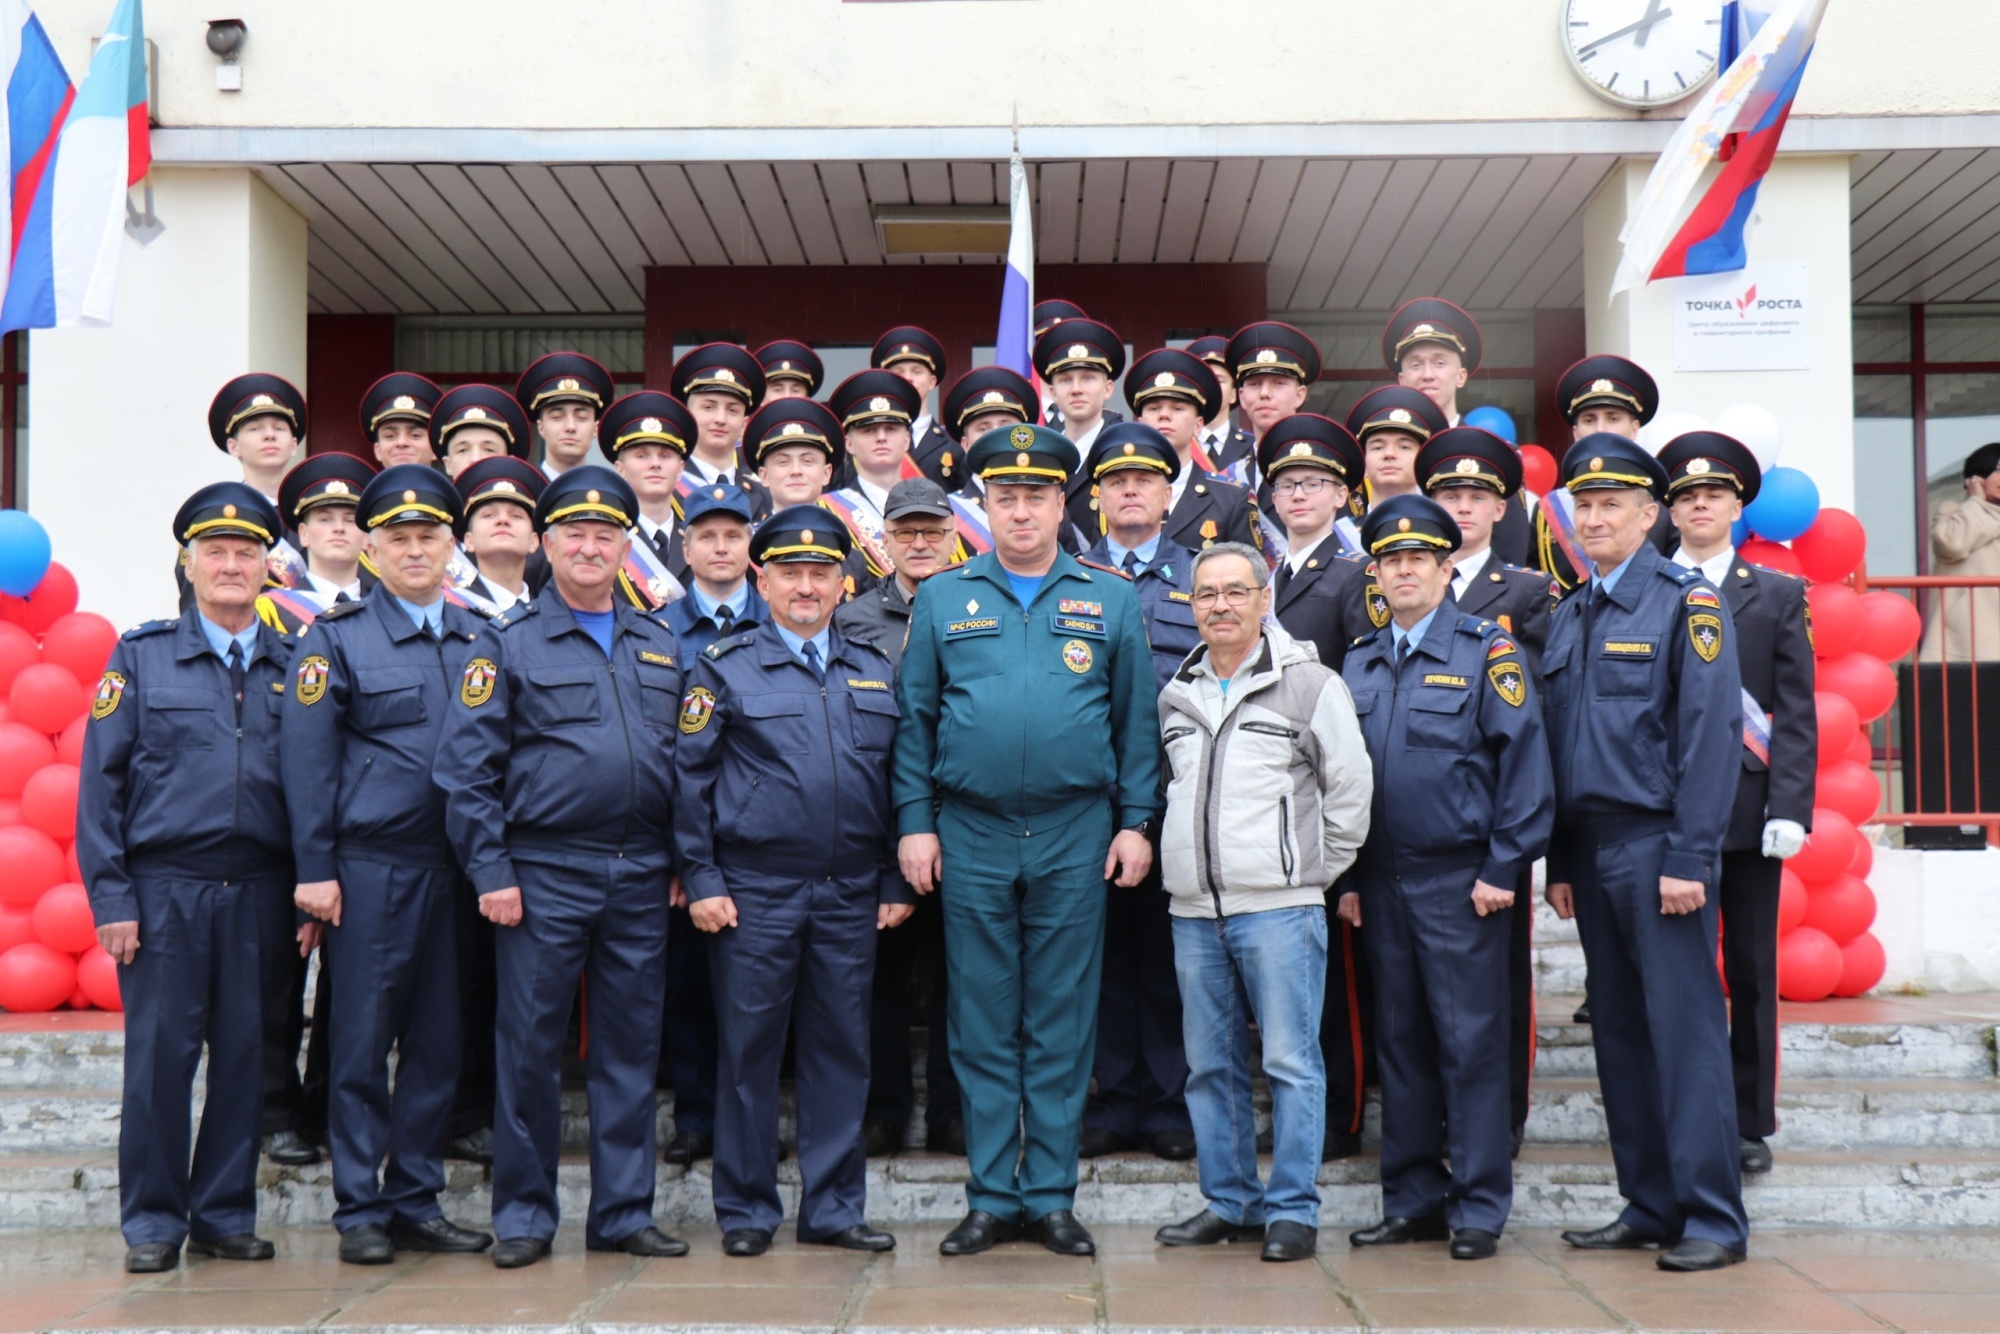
(1915, 1115)
(1575, 1185)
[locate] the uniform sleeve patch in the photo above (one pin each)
(110, 693)
(312, 680)
(1705, 633)
(697, 707)
(1702, 597)
(1499, 648)
(1508, 683)
(476, 686)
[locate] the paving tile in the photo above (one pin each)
(1214, 1266)
(1751, 1312)
(519, 1302)
(964, 1307)
(325, 1273)
(1413, 1267)
(40, 1307)
(566, 1266)
(1000, 1267)
(1933, 1243)
(1267, 1308)
(790, 1307)
(151, 1309)
(1473, 1310)
(1918, 1312)
(779, 1267)
(1638, 1269)
(1902, 1273)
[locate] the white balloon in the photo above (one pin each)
(1757, 429)
(1667, 426)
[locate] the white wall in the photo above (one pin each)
(1937, 915)
(120, 414)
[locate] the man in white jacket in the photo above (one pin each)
(1268, 795)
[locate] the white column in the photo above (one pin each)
(1801, 216)
(117, 417)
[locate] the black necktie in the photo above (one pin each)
(1595, 603)
(236, 675)
(1131, 564)
(812, 660)
(662, 542)
(1284, 577)
(341, 596)
(1402, 654)
(725, 620)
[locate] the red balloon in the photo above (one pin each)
(1843, 907)
(1866, 681)
(1770, 555)
(10, 811)
(1850, 789)
(23, 753)
(1538, 469)
(1836, 619)
(18, 649)
(35, 979)
(30, 861)
(1829, 848)
(1791, 900)
(53, 599)
(79, 999)
(97, 974)
(69, 742)
(81, 643)
(1862, 963)
(48, 801)
(1809, 965)
(1864, 859)
(1830, 550)
(17, 926)
(1890, 625)
(71, 871)
(1837, 724)
(63, 920)
(1861, 750)
(47, 698)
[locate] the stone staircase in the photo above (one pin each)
(1890, 1112)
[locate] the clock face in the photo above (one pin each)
(1642, 53)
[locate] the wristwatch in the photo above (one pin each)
(1148, 826)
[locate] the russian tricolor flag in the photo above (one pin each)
(1013, 343)
(73, 154)
(1739, 121)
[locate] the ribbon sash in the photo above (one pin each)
(1559, 507)
(648, 574)
(863, 525)
(1756, 729)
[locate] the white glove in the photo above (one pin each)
(1783, 838)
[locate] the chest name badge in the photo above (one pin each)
(1705, 631)
(697, 707)
(1441, 679)
(1076, 656)
(1078, 625)
(983, 625)
(854, 683)
(476, 686)
(647, 655)
(1508, 683)
(1077, 607)
(110, 692)
(312, 680)
(1628, 648)
(1180, 597)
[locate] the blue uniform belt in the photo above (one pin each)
(1605, 828)
(640, 841)
(1403, 863)
(1025, 823)
(208, 866)
(428, 854)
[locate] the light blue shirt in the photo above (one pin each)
(431, 616)
(1026, 586)
(219, 639)
(1415, 634)
(736, 602)
(821, 641)
(1145, 551)
(1608, 582)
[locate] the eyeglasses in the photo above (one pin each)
(934, 536)
(1236, 595)
(1302, 486)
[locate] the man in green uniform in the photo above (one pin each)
(1027, 773)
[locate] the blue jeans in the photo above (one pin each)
(1271, 967)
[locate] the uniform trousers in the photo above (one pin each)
(1141, 1067)
(472, 1096)
(1750, 965)
(394, 963)
(1441, 1018)
(208, 957)
(800, 956)
(1024, 940)
(910, 977)
(687, 1046)
(606, 918)
(1521, 991)
(285, 1105)
(1661, 1037)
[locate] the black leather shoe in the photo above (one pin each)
(1206, 1229)
(1470, 1243)
(152, 1257)
(1096, 1141)
(1176, 1146)
(1692, 1256)
(1059, 1231)
(977, 1231)
(1340, 1144)
(1610, 1237)
(687, 1148)
(1401, 1232)
(241, 1246)
(860, 1237)
(1520, 1136)
(1754, 1155)
(288, 1148)
(1582, 1015)
(519, 1252)
(1289, 1241)
(473, 1147)
(947, 1138)
(367, 1244)
(440, 1236)
(648, 1241)
(880, 1139)
(745, 1242)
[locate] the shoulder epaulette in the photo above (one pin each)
(151, 628)
(1359, 640)
(1476, 626)
(514, 615)
(338, 610)
(1680, 574)
(721, 646)
(1356, 557)
(1108, 569)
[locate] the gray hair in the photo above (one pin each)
(1258, 570)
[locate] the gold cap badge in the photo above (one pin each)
(1078, 350)
(1266, 357)
(1402, 525)
(506, 486)
(1424, 329)
(720, 493)
(1301, 448)
(793, 428)
(228, 511)
(1597, 465)
(474, 415)
(1131, 448)
(592, 496)
(649, 424)
(1020, 460)
(1696, 467)
(336, 488)
(1164, 380)
(1023, 434)
(262, 401)
(1401, 416)
(726, 375)
(409, 497)
(403, 403)
(805, 535)
(1600, 386)
(568, 386)
(993, 396)
(1468, 465)
(878, 404)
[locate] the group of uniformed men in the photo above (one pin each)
(804, 716)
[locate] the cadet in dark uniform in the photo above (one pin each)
(646, 435)
(791, 717)
(1141, 1067)
(478, 421)
(1046, 316)
(1080, 362)
(1015, 731)
(260, 421)
(368, 699)
(1222, 442)
(722, 385)
(396, 417)
(919, 358)
(499, 495)
(1174, 393)
(1275, 367)
(181, 839)
(1448, 706)
(1473, 474)
(981, 400)
(1391, 424)
(791, 370)
(797, 445)
(875, 409)
(1644, 707)
(556, 765)
(1601, 393)
(564, 393)
(1710, 478)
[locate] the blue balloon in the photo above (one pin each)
(1739, 532)
(1496, 420)
(24, 553)
(1786, 506)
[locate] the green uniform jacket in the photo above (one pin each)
(1026, 717)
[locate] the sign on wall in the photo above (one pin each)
(1757, 319)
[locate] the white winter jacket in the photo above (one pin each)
(1267, 803)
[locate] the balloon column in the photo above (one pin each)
(51, 658)
(1538, 465)
(1825, 905)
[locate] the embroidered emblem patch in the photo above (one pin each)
(110, 691)
(312, 680)
(1499, 648)
(1378, 607)
(1706, 633)
(1508, 682)
(1076, 656)
(476, 686)
(1702, 597)
(697, 707)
